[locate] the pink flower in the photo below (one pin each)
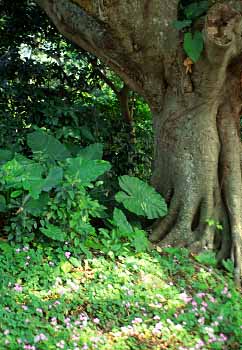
(96, 320)
(185, 297)
(68, 255)
(18, 288)
(40, 337)
(200, 295)
(137, 320)
(61, 344)
(29, 347)
(53, 321)
(223, 337)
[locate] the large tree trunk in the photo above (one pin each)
(197, 159)
(196, 115)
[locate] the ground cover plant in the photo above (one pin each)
(53, 299)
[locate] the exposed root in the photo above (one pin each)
(163, 226)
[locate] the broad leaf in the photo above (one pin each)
(193, 45)
(66, 266)
(85, 170)
(179, 25)
(94, 151)
(75, 262)
(40, 141)
(32, 179)
(36, 206)
(53, 179)
(140, 241)
(53, 232)
(86, 134)
(120, 220)
(196, 9)
(23, 174)
(140, 198)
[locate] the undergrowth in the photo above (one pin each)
(51, 299)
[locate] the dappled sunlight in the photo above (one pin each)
(134, 301)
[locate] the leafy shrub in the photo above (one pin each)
(49, 196)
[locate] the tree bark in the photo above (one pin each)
(197, 161)
(196, 115)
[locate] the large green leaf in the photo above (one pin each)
(179, 25)
(196, 9)
(12, 173)
(120, 220)
(36, 206)
(86, 133)
(23, 174)
(193, 45)
(140, 198)
(94, 151)
(40, 141)
(140, 241)
(54, 232)
(85, 170)
(32, 179)
(53, 179)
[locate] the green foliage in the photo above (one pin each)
(51, 300)
(229, 266)
(195, 9)
(190, 11)
(54, 232)
(207, 258)
(121, 222)
(85, 170)
(48, 145)
(179, 25)
(193, 45)
(51, 197)
(140, 198)
(214, 223)
(93, 151)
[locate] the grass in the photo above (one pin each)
(156, 300)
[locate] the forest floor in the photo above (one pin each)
(165, 299)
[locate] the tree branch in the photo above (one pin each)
(133, 38)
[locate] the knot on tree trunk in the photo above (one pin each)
(223, 32)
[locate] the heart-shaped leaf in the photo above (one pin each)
(140, 198)
(193, 45)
